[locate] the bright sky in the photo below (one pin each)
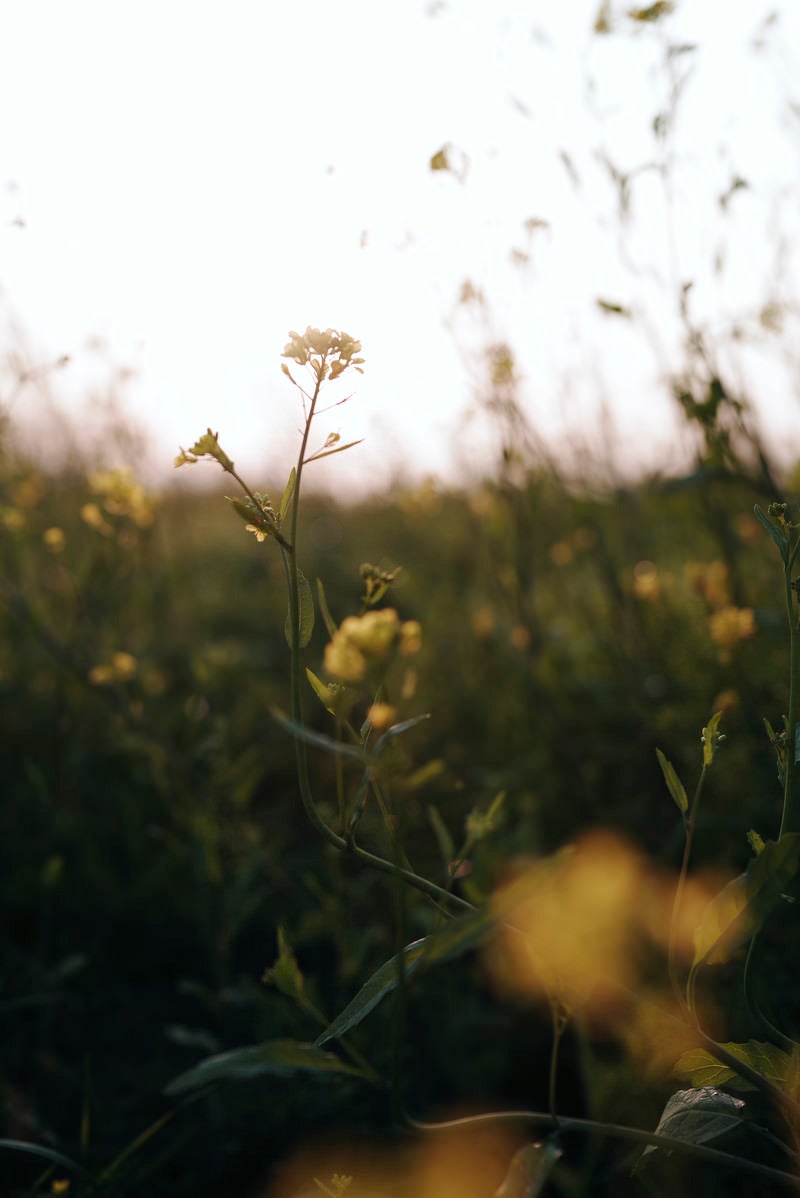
(187, 181)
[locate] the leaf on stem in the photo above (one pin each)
(326, 453)
(457, 937)
(319, 739)
(305, 615)
(288, 492)
(324, 610)
(443, 837)
(700, 1116)
(399, 729)
(285, 974)
(741, 907)
(281, 1058)
(674, 784)
(701, 1068)
(711, 738)
(326, 694)
(777, 534)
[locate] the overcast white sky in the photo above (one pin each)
(187, 181)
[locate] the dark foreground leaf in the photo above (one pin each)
(456, 937)
(281, 1058)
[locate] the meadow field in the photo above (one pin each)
(179, 933)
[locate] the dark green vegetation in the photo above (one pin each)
(153, 838)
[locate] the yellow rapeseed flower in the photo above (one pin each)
(382, 716)
(54, 539)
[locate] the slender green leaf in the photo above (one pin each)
(319, 739)
(711, 738)
(674, 784)
(286, 498)
(325, 612)
(443, 837)
(741, 907)
(44, 1153)
(280, 1058)
(326, 453)
(479, 823)
(399, 729)
(306, 614)
(285, 974)
(702, 1069)
(325, 692)
(777, 534)
(374, 990)
(456, 937)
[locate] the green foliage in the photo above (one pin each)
(166, 853)
(700, 1068)
(276, 1058)
(739, 910)
(674, 784)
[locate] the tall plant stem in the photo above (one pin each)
(676, 906)
(290, 558)
(790, 821)
(617, 1131)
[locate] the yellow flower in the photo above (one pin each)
(381, 716)
(121, 668)
(54, 539)
(361, 641)
(410, 638)
(730, 625)
(123, 496)
(343, 660)
(12, 519)
(646, 583)
(91, 515)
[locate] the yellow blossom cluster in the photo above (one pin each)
(121, 495)
(363, 641)
(710, 581)
(730, 625)
(121, 667)
(54, 539)
(646, 583)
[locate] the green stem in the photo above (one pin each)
(559, 1027)
(617, 1131)
(790, 821)
(290, 558)
(275, 531)
(676, 906)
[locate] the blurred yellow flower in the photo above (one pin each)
(91, 515)
(121, 668)
(710, 581)
(28, 492)
(122, 495)
(54, 539)
(646, 583)
(410, 638)
(369, 639)
(382, 716)
(12, 519)
(730, 625)
(483, 622)
(562, 553)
